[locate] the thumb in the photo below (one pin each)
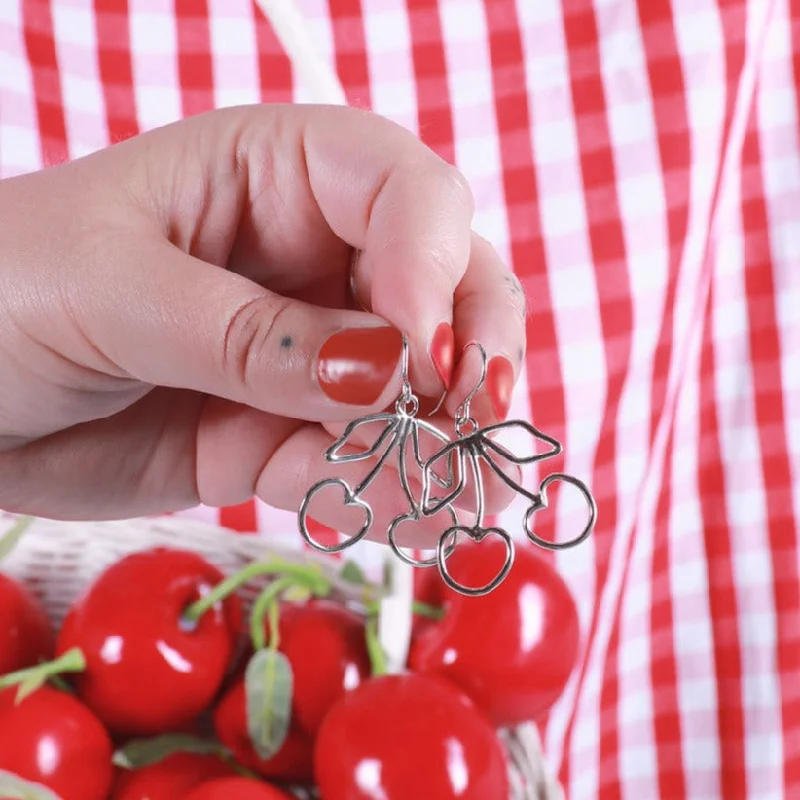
(187, 324)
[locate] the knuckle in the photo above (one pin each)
(247, 334)
(457, 187)
(447, 265)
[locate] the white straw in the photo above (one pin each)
(315, 73)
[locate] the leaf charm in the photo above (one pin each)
(333, 455)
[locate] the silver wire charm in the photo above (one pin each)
(474, 446)
(400, 427)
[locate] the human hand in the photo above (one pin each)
(168, 306)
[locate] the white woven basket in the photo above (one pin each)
(57, 560)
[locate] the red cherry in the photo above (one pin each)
(26, 636)
(293, 763)
(146, 671)
(513, 650)
(236, 789)
(325, 644)
(405, 736)
(170, 778)
(52, 739)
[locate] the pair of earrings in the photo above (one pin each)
(454, 466)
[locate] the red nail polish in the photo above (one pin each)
(443, 346)
(500, 385)
(355, 365)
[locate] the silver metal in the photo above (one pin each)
(400, 427)
(477, 534)
(442, 398)
(474, 447)
(462, 412)
(541, 502)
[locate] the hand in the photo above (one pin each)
(172, 310)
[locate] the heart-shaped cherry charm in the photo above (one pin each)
(541, 503)
(350, 499)
(415, 516)
(477, 534)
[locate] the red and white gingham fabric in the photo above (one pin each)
(638, 163)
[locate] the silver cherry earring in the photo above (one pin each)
(473, 447)
(400, 428)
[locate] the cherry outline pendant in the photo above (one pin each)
(474, 447)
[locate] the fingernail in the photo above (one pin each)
(443, 348)
(500, 385)
(355, 365)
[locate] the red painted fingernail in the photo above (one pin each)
(500, 385)
(443, 347)
(355, 365)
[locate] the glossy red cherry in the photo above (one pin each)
(513, 650)
(406, 736)
(236, 789)
(52, 739)
(325, 644)
(171, 778)
(26, 636)
(293, 763)
(147, 672)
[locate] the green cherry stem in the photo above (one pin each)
(274, 625)
(418, 608)
(243, 772)
(30, 679)
(377, 656)
(305, 575)
(427, 611)
(10, 539)
(267, 604)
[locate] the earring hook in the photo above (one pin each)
(404, 368)
(407, 403)
(462, 412)
(438, 406)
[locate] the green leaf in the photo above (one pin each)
(13, 787)
(268, 688)
(143, 752)
(10, 539)
(352, 573)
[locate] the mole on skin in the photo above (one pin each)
(286, 342)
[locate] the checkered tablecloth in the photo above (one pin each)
(638, 163)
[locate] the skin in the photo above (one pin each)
(164, 301)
